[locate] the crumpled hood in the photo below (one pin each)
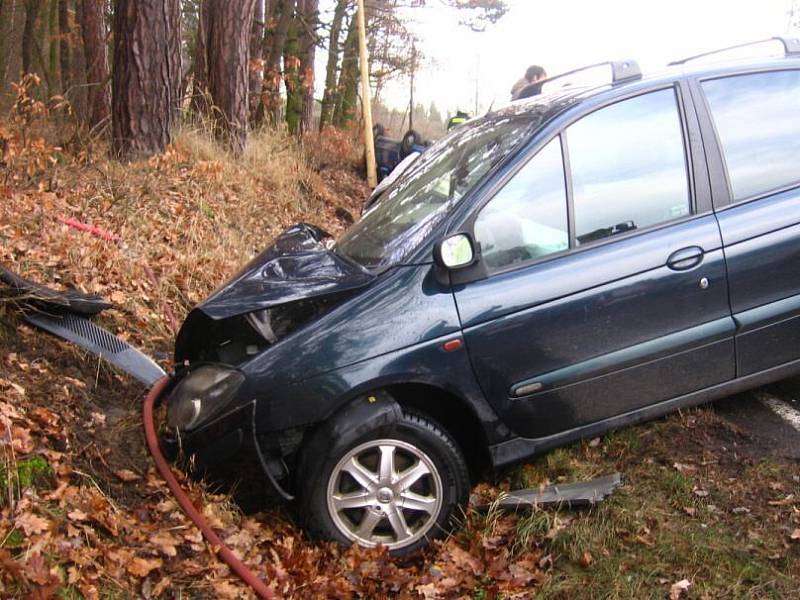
(296, 266)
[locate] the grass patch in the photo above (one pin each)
(17, 475)
(664, 525)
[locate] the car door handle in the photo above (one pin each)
(685, 258)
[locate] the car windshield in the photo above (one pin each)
(435, 183)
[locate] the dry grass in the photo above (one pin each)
(183, 221)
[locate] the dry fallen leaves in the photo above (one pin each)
(127, 475)
(679, 589)
(31, 524)
(141, 567)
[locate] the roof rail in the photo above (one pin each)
(791, 47)
(621, 71)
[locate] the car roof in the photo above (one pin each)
(556, 100)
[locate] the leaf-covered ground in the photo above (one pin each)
(84, 515)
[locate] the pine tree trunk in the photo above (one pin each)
(147, 71)
(228, 50)
(329, 99)
(347, 88)
(93, 30)
(291, 71)
(54, 44)
(256, 67)
(200, 62)
(270, 96)
(308, 50)
(65, 49)
(6, 19)
(28, 42)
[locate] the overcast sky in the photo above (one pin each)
(566, 34)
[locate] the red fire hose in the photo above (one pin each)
(186, 504)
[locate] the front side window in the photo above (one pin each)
(628, 167)
(527, 219)
(758, 125)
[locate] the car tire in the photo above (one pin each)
(410, 480)
(409, 140)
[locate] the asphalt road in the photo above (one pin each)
(769, 415)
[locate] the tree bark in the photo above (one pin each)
(228, 50)
(291, 71)
(329, 99)
(93, 30)
(256, 66)
(54, 45)
(32, 8)
(347, 88)
(65, 49)
(308, 49)
(146, 81)
(270, 96)
(200, 62)
(6, 22)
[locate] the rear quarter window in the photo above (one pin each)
(757, 119)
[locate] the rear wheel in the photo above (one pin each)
(398, 485)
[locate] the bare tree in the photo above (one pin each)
(32, 8)
(256, 66)
(308, 51)
(53, 44)
(329, 98)
(228, 52)
(200, 61)
(93, 29)
(291, 70)
(65, 48)
(6, 22)
(281, 14)
(347, 86)
(147, 71)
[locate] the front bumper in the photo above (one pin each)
(211, 447)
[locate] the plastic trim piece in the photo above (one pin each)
(570, 495)
(82, 332)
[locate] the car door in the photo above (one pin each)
(602, 287)
(752, 129)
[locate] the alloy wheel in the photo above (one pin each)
(385, 492)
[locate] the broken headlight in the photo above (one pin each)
(273, 324)
(202, 395)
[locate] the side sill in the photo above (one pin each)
(506, 453)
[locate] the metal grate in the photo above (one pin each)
(88, 330)
(95, 339)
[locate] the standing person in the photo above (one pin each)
(534, 74)
(461, 117)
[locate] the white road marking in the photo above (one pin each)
(782, 409)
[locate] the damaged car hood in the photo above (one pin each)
(298, 265)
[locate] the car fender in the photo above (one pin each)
(319, 398)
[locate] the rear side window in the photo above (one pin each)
(757, 118)
(628, 166)
(527, 219)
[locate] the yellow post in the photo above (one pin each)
(366, 103)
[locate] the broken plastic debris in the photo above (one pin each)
(570, 495)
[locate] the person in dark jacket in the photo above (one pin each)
(533, 75)
(461, 117)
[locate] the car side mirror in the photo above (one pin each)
(456, 251)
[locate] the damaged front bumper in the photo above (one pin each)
(212, 447)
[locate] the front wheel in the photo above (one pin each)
(398, 485)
